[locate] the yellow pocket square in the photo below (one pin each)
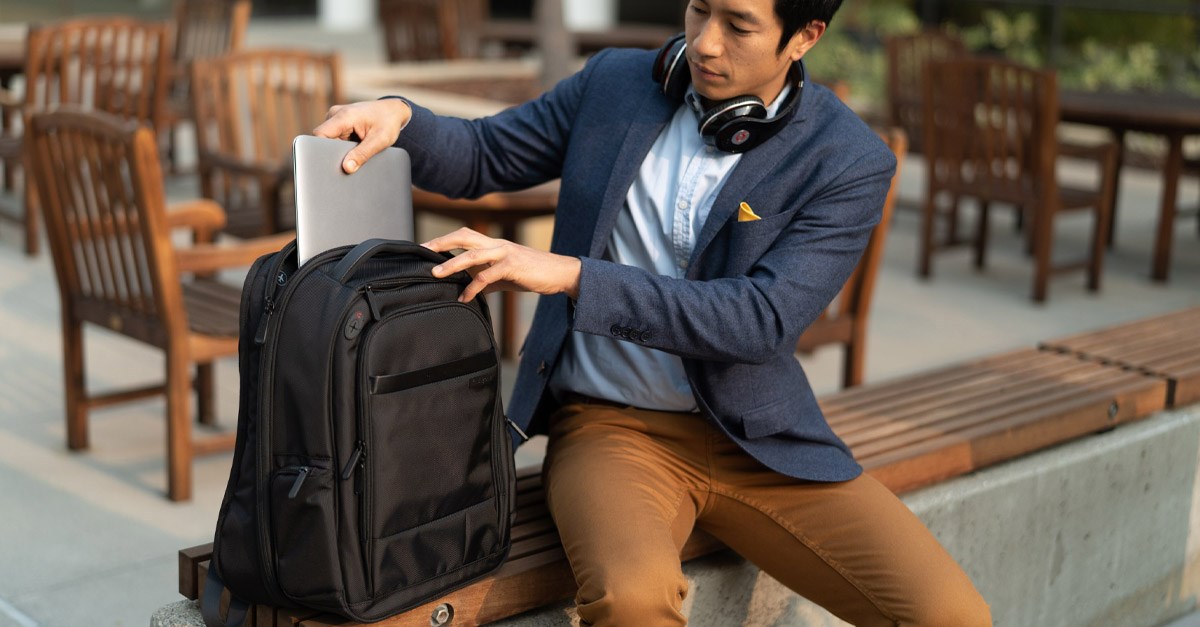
(746, 214)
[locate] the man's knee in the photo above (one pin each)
(633, 596)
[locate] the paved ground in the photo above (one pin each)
(88, 539)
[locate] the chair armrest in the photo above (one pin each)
(10, 109)
(1095, 152)
(209, 258)
(205, 217)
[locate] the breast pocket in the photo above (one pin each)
(748, 241)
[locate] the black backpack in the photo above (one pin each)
(373, 469)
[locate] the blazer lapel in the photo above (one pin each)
(749, 172)
(649, 120)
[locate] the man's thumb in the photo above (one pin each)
(369, 147)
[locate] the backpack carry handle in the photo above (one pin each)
(363, 252)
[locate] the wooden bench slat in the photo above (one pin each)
(962, 379)
(988, 389)
(969, 450)
(1048, 404)
(902, 387)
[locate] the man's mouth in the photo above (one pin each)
(706, 72)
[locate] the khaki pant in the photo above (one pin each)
(626, 486)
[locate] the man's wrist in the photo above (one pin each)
(405, 111)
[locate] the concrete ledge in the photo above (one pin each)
(1101, 531)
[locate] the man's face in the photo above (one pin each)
(733, 48)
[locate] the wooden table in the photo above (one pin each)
(1171, 116)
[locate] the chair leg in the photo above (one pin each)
(75, 383)
(179, 428)
(928, 226)
(206, 412)
(1099, 247)
(981, 234)
(852, 364)
(1043, 224)
(32, 241)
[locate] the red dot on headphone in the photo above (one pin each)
(740, 137)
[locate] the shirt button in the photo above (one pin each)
(683, 264)
(710, 149)
(683, 204)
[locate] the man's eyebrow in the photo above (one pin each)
(744, 16)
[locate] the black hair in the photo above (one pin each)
(796, 14)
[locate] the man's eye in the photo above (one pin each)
(697, 10)
(739, 31)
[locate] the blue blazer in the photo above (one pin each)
(752, 287)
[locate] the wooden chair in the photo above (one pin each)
(113, 64)
(101, 186)
(424, 30)
(845, 320)
(907, 56)
(990, 134)
(203, 29)
(248, 107)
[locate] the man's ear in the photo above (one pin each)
(805, 39)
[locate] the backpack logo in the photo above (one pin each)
(357, 321)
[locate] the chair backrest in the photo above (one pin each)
(114, 64)
(854, 301)
(423, 30)
(845, 320)
(100, 185)
(907, 57)
(249, 105)
(206, 29)
(990, 129)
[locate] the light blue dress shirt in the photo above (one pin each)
(656, 230)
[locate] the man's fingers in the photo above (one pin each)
(371, 145)
(462, 238)
(470, 259)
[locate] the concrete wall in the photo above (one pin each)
(1101, 531)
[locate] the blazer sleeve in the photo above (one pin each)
(749, 318)
(514, 149)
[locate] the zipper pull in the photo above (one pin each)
(260, 337)
(304, 470)
(376, 313)
(514, 427)
(357, 458)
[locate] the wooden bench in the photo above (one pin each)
(909, 433)
(1165, 346)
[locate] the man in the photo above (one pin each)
(680, 276)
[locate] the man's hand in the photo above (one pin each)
(498, 264)
(376, 122)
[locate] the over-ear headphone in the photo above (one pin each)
(734, 125)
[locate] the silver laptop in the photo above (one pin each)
(336, 209)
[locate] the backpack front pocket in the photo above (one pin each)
(428, 410)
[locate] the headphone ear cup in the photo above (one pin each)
(670, 68)
(727, 118)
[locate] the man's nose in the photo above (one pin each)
(707, 43)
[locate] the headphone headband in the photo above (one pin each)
(734, 125)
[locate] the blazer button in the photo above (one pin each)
(645, 336)
(616, 330)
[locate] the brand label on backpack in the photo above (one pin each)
(355, 325)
